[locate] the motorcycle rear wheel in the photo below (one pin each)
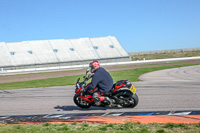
(135, 100)
(81, 103)
(130, 100)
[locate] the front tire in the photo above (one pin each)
(81, 103)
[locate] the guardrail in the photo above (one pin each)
(102, 64)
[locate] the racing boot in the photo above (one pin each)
(108, 101)
(97, 99)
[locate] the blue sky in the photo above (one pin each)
(139, 25)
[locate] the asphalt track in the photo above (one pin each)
(164, 90)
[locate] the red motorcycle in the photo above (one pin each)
(123, 93)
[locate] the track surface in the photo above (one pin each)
(164, 90)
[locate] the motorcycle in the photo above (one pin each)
(123, 93)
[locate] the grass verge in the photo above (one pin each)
(165, 55)
(128, 127)
(117, 66)
(131, 75)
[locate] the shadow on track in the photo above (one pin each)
(71, 108)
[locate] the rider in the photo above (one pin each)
(102, 79)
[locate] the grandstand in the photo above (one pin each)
(60, 52)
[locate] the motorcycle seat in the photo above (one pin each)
(121, 82)
(112, 88)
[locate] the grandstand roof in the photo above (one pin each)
(60, 50)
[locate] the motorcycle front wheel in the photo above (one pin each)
(80, 102)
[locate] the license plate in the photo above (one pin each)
(133, 89)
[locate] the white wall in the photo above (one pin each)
(60, 50)
(64, 53)
(84, 48)
(104, 49)
(117, 46)
(43, 51)
(21, 53)
(5, 57)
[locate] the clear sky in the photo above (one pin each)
(139, 25)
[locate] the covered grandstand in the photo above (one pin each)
(60, 52)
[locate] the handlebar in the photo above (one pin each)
(83, 83)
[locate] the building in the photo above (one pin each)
(61, 52)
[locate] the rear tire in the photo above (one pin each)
(130, 100)
(81, 103)
(136, 100)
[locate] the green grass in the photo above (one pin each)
(61, 81)
(128, 127)
(120, 66)
(131, 75)
(41, 72)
